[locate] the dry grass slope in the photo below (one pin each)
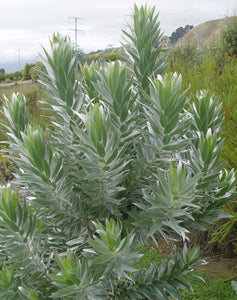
(205, 32)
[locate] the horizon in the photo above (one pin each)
(16, 65)
(27, 26)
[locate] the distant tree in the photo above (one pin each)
(2, 77)
(2, 71)
(187, 28)
(94, 52)
(26, 74)
(179, 33)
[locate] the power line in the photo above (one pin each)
(76, 30)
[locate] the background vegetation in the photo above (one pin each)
(212, 65)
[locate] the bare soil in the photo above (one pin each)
(220, 265)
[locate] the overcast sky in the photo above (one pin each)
(26, 25)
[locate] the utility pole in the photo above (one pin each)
(76, 20)
(19, 60)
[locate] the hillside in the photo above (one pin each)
(205, 32)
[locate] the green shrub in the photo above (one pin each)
(184, 56)
(104, 57)
(218, 74)
(7, 167)
(225, 231)
(26, 73)
(229, 36)
(221, 80)
(38, 67)
(121, 149)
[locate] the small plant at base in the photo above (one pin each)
(121, 145)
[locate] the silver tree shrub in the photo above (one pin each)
(127, 156)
